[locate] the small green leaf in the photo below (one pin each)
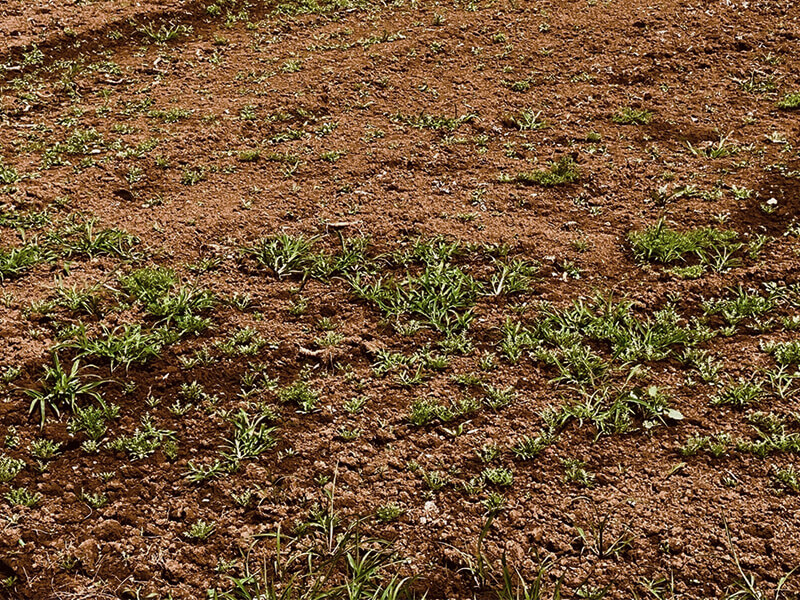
(674, 414)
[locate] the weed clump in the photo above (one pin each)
(632, 116)
(562, 172)
(662, 244)
(790, 101)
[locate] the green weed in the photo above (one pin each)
(659, 243)
(301, 394)
(790, 101)
(787, 477)
(165, 33)
(10, 467)
(60, 388)
(562, 172)
(525, 120)
(14, 262)
(632, 116)
(284, 254)
(22, 497)
(201, 530)
(436, 122)
(441, 294)
(251, 437)
(144, 441)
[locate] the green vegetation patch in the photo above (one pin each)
(661, 244)
(564, 171)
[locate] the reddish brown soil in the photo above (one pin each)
(585, 60)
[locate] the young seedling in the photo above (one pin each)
(787, 477)
(10, 467)
(575, 472)
(61, 388)
(525, 120)
(200, 530)
(632, 116)
(22, 497)
(389, 512)
(790, 101)
(562, 172)
(300, 394)
(499, 476)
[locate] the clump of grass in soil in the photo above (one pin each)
(562, 172)
(662, 244)
(790, 101)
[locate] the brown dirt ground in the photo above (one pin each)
(357, 68)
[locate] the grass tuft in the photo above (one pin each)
(560, 173)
